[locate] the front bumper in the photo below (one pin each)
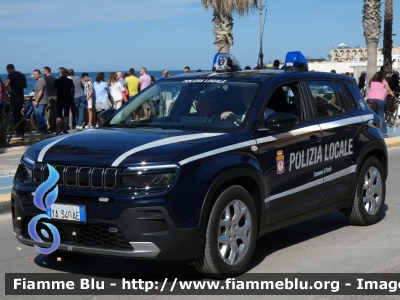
(138, 232)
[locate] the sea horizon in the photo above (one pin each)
(31, 81)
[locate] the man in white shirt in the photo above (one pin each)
(145, 81)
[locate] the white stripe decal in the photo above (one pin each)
(216, 151)
(295, 190)
(162, 142)
(340, 123)
(45, 149)
(328, 178)
(367, 117)
(228, 148)
(304, 130)
(341, 173)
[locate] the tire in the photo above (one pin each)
(370, 194)
(235, 260)
(33, 121)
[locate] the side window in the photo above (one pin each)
(287, 98)
(328, 98)
(354, 95)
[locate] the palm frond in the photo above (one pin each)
(229, 6)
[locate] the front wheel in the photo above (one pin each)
(370, 194)
(33, 121)
(231, 234)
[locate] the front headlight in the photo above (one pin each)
(149, 179)
(26, 169)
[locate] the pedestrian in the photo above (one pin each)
(79, 98)
(132, 83)
(64, 87)
(199, 71)
(361, 82)
(378, 88)
(88, 89)
(2, 96)
(276, 64)
(100, 93)
(186, 69)
(333, 71)
(153, 79)
(145, 81)
(15, 85)
(394, 83)
(51, 95)
(164, 73)
(41, 101)
(347, 74)
(120, 78)
(116, 90)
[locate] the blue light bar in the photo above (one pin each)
(295, 61)
(225, 62)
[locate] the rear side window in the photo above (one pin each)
(355, 96)
(328, 98)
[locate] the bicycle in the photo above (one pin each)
(391, 110)
(28, 115)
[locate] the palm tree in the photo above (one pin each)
(223, 20)
(387, 38)
(372, 32)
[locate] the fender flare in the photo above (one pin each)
(226, 176)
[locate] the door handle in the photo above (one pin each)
(314, 140)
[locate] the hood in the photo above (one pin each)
(120, 147)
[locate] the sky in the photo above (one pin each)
(159, 34)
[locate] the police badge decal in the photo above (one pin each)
(280, 162)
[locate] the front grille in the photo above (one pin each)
(92, 235)
(84, 177)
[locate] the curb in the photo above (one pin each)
(392, 142)
(11, 149)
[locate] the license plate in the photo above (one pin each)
(67, 212)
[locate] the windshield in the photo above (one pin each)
(203, 103)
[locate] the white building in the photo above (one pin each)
(353, 60)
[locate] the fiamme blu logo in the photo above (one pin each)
(45, 204)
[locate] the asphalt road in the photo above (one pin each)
(323, 245)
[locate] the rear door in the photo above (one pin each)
(290, 160)
(339, 121)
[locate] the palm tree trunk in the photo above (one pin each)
(387, 38)
(223, 24)
(372, 33)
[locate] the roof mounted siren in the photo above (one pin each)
(225, 62)
(295, 62)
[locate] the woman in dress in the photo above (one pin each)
(100, 95)
(378, 88)
(116, 90)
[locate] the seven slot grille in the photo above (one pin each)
(85, 177)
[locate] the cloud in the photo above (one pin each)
(74, 13)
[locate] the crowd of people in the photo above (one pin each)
(78, 101)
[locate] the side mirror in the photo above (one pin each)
(279, 121)
(106, 114)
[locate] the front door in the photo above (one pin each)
(290, 161)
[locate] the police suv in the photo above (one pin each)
(225, 157)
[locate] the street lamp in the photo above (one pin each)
(261, 55)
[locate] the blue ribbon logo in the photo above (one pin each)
(38, 201)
